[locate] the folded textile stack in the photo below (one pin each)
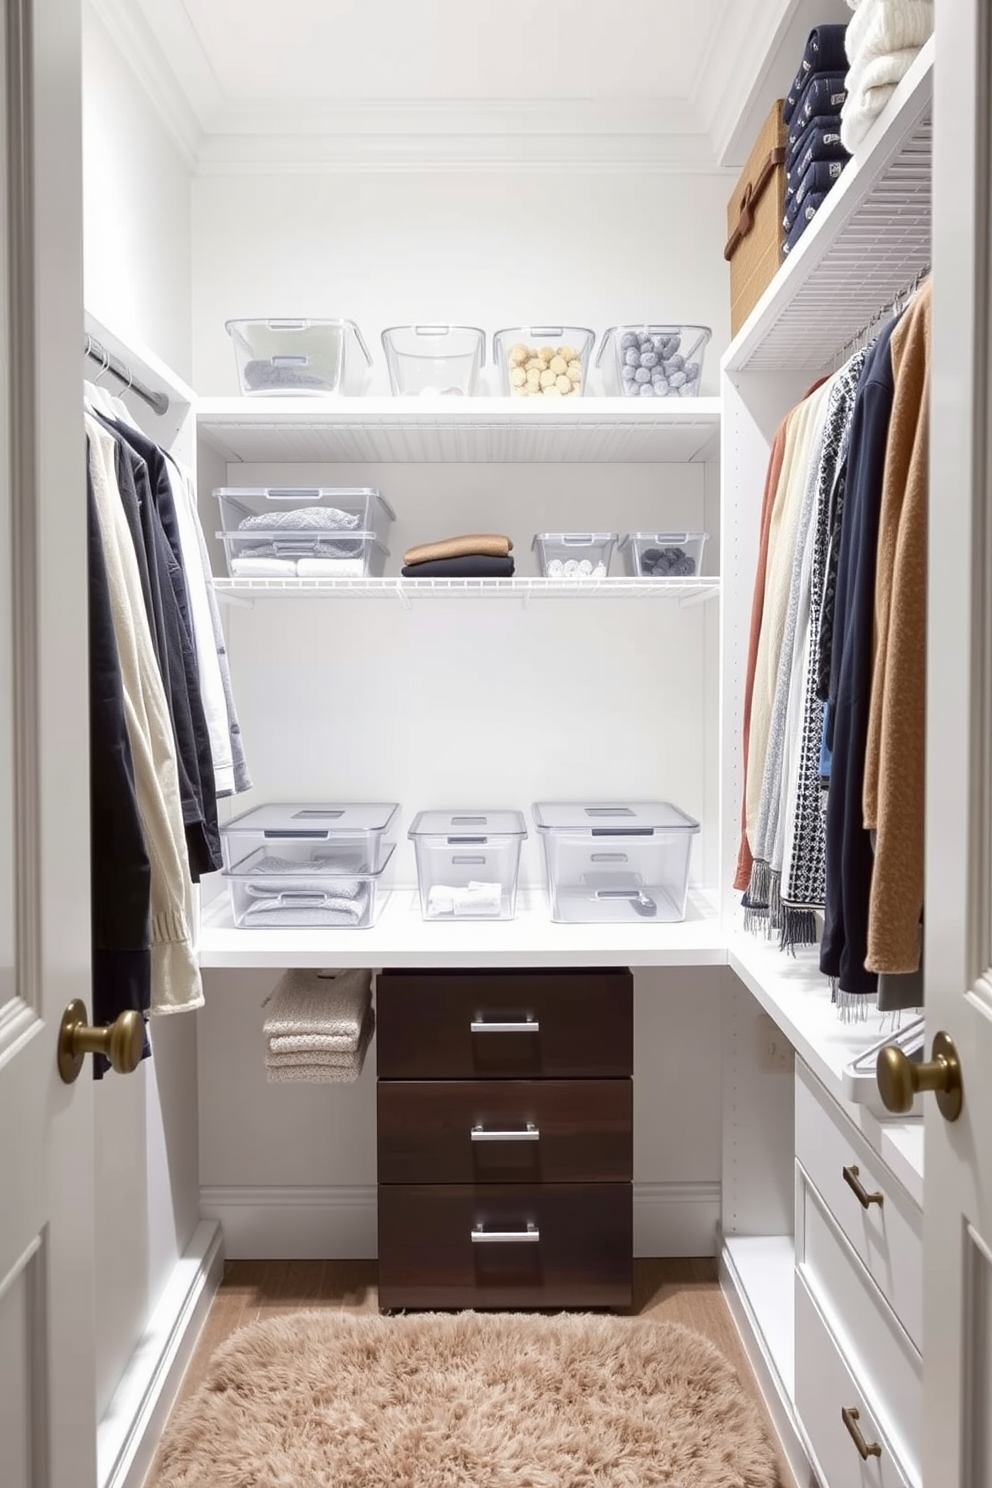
(882, 43)
(307, 542)
(480, 555)
(815, 154)
(319, 1026)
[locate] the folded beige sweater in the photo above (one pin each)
(478, 544)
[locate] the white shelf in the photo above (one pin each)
(794, 992)
(684, 592)
(762, 1268)
(402, 938)
(868, 241)
(493, 430)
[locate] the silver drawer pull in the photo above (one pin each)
(853, 1181)
(528, 1133)
(527, 1025)
(530, 1236)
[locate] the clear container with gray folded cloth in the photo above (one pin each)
(314, 866)
(467, 863)
(616, 862)
(304, 531)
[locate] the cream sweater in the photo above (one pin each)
(176, 983)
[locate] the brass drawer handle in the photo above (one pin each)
(851, 1416)
(528, 1133)
(864, 1198)
(530, 1236)
(525, 1025)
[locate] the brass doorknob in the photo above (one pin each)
(121, 1041)
(899, 1079)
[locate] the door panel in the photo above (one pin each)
(47, 1409)
(957, 1324)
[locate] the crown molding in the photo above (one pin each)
(734, 67)
(127, 27)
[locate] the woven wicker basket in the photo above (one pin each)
(754, 220)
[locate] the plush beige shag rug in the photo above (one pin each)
(470, 1400)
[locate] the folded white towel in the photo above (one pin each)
(329, 1002)
(306, 1069)
(264, 568)
(882, 42)
(468, 900)
(313, 1043)
(331, 568)
(301, 519)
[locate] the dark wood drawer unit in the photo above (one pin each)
(505, 1131)
(530, 1245)
(442, 1025)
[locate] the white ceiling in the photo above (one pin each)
(402, 83)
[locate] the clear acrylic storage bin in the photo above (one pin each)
(467, 863)
(653, 361)
(299, 357)
(616, 862)
(536, 361)
(574, 555)
(434, 360)
(314, 865)
(662, 555)
(306, 531)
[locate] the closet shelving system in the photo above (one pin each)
(869, 243)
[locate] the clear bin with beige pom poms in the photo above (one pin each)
(543, 361)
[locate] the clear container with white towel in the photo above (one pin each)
(309, 865)
(574, 555)
(304, 531)
(467, 863)
(616, 862)
(432, 361)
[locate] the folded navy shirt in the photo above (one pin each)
(824, 53)
(471, 566)
(820, 141)
(820, 176)
(823, 97)
(804, 216)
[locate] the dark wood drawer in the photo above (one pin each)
(579, 1256)
(557, 1131)
(437, 1024)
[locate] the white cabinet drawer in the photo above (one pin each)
(881, 1354)
(824, 1388)
(886, 1234)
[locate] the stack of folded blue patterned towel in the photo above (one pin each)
(815, 154)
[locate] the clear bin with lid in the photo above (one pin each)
(662, 555)
(616, 862)
(317, 865)
(543, 361)
(467, 863)
(574, 555)
(427, 361)
(299, 358)
(653, 361)
(307, 530)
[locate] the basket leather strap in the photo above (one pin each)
(752, 192)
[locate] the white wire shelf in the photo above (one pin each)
(470, 430)
(869, 240)
(523, 590)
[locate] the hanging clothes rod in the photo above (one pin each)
(868, 332)
(159, 402)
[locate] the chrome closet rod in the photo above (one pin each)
(159, 402)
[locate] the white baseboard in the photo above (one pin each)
(129, 1432)
(309, 1224)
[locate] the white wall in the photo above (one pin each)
(490, 249)
(136, 208)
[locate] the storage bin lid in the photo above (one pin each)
(612, 818)
(663, 537)
(314, 821)
(573, 539)
(300, 495)
(468, 824)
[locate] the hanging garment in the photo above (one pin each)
(163, 547)
(236, 748)
(175, 973)
(895, 749)
(803, 886)
(768, 835)
(120, 873)
(848, 847)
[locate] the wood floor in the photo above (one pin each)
(680, 1291)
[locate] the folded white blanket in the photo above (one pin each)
(336, 1044)
(308, 1069)
(323, 1002)
(263, 568)
(301, 519)
(298, 568)
(882, 42)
